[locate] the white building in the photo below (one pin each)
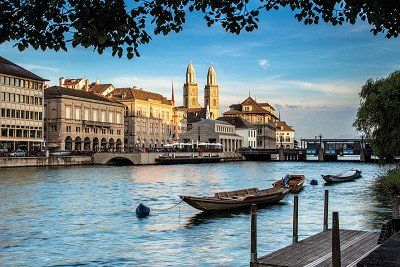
(244, 129)
(284, 135)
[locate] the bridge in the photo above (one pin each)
(121, 158)
(323, 149)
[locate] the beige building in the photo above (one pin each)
(284, 135)
(21, 104)
(78, 120)
(75, 83)
(262, 116)
(148, 117)
(213, 131)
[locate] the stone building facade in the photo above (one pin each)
(284, 135)
(78, 120)
(213, 131)
(262, 116)
(148, 117)
(244, 129)
(21, 105)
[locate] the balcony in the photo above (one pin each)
(97, 124)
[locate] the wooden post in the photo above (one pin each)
(253, 255)
(296, 219)
(326, 202)
(395, 206)
(336, 258)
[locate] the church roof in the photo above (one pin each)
(9, 68)
(282, 126)
(136, 93)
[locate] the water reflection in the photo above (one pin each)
(85, 215)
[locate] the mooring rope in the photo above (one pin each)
(169, 207)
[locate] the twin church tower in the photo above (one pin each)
(211, 92)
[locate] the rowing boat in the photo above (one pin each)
(238, 199)
(294, 181)
(344, 177)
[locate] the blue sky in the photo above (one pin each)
(313, 74)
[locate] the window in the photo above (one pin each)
(78, 129)
(110, 117)
(68, 112)
(3, 96)
(95, 112)
(103, 116)
(1, 79)
(68, 129)
(118, 118)
(86, 114)
(77, 113)
(4, 132)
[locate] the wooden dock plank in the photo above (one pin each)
(316, 250)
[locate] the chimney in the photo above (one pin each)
(86, 84)
(61, 81)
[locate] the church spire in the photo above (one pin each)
(211, 76)
(190, 74)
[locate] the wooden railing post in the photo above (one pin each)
(336, 257)
(296, 219)
(253, 255)
(326, 203)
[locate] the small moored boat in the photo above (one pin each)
(295, 182)
(344, 177)
(238, 199)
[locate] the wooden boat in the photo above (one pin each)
(238, 199)
(344, 177)
(295, 182)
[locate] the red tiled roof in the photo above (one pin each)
(9, 68)
(69, 82)
(99, 88)
(282, 126)
(135, 93)
(266, 105)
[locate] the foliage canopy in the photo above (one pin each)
(379, 115)
(124, 26)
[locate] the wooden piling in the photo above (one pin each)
(253, 255)
(336, 257)
(326, 203)
(296, 219)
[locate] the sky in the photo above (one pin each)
(311, 74)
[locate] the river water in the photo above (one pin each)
(86, 215)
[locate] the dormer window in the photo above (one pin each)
(247, 108)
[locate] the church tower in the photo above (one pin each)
(190, 90)
(211, 94)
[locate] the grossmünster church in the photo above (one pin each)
(191, 103)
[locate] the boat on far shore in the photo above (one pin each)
(295, 182)
(238, 199)
(344, 177)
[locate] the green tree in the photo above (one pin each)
(379, 116)
(122, 26)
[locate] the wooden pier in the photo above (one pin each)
(332, 247)
(316, 250)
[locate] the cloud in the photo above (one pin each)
(39, 68)
(263, 63)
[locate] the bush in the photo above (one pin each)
(388, 184)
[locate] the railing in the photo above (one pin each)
(97, 123)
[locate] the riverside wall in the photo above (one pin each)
(10, 162)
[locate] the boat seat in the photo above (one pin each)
(237, 193)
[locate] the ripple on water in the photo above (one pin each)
(86, 215)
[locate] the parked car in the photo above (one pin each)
(60, 153)
(18, 153)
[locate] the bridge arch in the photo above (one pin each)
(119, 160)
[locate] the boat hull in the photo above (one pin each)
(341, 178)
(215, 205)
